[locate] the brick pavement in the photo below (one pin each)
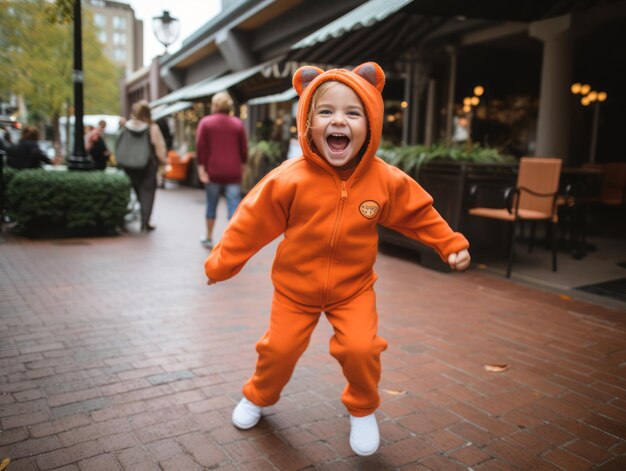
(114, 355)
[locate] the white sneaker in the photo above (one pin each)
(206, 243)
(364, 436)
(246, 415)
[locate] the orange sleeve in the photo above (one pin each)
(411, 213)
(260, 218)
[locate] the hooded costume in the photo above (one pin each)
(325, 260)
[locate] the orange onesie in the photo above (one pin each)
(325, 261)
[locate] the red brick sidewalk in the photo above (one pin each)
(114, 354)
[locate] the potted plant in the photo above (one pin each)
(263, 156)
(448, 173)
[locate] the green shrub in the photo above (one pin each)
(75, 201)
(411, 159)
(7, 175)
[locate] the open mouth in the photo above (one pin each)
(337, 142)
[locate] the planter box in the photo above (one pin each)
(449, 184)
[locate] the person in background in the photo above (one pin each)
(169, 142)
(461, 130)
(222, 152)
(144, 180)
(27, 153)
(6, 144)
(96, 147)
(167, 134)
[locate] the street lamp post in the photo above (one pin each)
(470, 102)
(166, 28)
(590, 96)
(78, 160)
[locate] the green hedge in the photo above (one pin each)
(7, 175)
(75, 202)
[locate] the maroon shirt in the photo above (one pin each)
(221, 147)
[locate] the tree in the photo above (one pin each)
(37, 63)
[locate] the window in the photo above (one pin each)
(102, 36)
(119, 39)
(99, 20)
(119, 22)
(119, 54)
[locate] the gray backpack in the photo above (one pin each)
(133, 149)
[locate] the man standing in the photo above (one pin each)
(222, 151)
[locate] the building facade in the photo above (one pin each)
(120, 33)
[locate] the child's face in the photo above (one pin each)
(338, 125)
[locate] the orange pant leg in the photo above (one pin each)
(279, 349)
(357, 347)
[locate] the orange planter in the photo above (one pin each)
(177, 166)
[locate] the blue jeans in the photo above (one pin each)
(232, 191)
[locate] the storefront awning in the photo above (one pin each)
(222, 83)
(287, 95)
(210, 86)
(167, 110)
(364, 16)
(179, 94)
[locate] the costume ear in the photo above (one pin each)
(304, 76)
(373, 73)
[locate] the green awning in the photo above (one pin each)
(167, 110)
(221, 83)
(364, 16)
(287, 95)
(179, 94)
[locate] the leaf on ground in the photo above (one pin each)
(565, 297)
(5, 463)
(496, 368)
(395, 392)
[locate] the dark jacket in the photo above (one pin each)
(27, 154)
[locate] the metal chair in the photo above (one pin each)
(534, 198)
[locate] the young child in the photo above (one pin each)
(327, 204)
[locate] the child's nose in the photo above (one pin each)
(339, 118)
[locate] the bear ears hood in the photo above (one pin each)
(367, 80)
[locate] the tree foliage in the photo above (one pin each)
(36, 37)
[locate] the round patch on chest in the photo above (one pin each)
(369, 209)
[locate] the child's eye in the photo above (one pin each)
(354, 113)
(324, 112)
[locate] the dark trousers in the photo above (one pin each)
(144, 183)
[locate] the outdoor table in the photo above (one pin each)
(579, 189)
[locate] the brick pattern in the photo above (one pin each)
(115, 355)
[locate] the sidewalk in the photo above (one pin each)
(114, 354)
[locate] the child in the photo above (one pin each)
(328, 203)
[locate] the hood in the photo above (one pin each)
(136, 125)
(367, 80)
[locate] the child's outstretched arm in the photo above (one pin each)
(411, 213)
(259, 219)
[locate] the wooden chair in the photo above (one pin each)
(533, 199)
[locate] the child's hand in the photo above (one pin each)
(211, 282)
(459, 261)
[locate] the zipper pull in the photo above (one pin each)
(344, 192)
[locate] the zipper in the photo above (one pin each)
(333, 240)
